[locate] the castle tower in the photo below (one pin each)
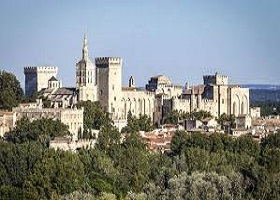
(109, 81)
(85, 76)
(36, 78)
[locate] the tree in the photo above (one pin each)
(201, 185)
(200, 115)
(132, 159)
(226, 121)
(41, 130)
(95, 116)
(10, 91)
(108, 138)
(134, 124)
(271, 141)
(175, 116)
(172, 117)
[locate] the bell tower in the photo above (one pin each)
(85, 76)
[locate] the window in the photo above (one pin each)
(115, 98)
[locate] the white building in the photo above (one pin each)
(36, 78)
(85, 76)
(72, 117)
(7, 122)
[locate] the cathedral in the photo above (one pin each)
(102, 81)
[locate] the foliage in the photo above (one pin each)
(31, 171)
(214, 166)
(10, 91)
(204, 186)
(226, 121)
(94, 115)
(41, 130)
(134, 124)
(175, 117)
(268, 107)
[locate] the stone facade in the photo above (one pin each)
(215, 96)
(120, 100)
(7, 122)
(36, 78)
(243, 122)
(103, 82)
(255, 112)
(72, 117)
(85, 76)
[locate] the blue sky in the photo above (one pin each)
(183, 39)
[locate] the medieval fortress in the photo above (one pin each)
(102, 81)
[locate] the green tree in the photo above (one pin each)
(10, 91)
(134, 124)
(271, 141)
(108, 138)
(132, 159)
(41, 130)
(226, 121)
(95, 115)
(172, 118)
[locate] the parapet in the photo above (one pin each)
(108, 60)
(35, 69)
(215, 79)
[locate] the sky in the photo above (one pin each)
(183, 39)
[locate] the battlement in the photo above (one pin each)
(207, 101)
(178, 86)
(35, 69)
(149, 93)
(215, 79)
(108, 60)
(180, 100)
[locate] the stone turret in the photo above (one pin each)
(131, 83)
(85, 49)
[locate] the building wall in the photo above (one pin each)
(138, 103)
(215, 79)
(109, 81)
(7, 122)
(36, 78)
(240, 102)
(216, 99)
(86, 78)
(255, 112)
(73, 118)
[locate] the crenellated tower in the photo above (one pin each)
(37, 77)
(109, 81)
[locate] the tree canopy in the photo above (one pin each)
(202, 166)
(11, 92)
(95, 115)
(175, 116)
(41, 130)
(134, 124)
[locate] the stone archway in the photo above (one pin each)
(236, 105)
(244, 105)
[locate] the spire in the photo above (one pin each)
(85, 49)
